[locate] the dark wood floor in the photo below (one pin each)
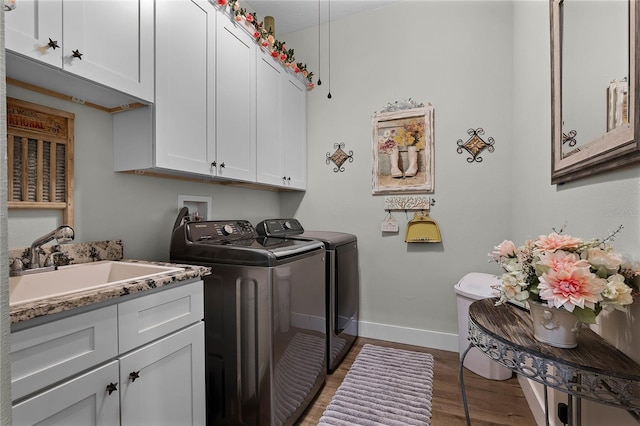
(491, 402)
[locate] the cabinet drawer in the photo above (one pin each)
(148, 318)
(80, 401)
(43, 355)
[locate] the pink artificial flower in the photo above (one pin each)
(271, 39)
(274, 53)
(296, 70)
(555, 241)
(222, 2)
(249, 18)
(571, 286)
(283, 56)
(562, 260)
(305, 73)
(608, 260)
(264, 43)
(310, 86)
(256, 34)
(238, 18)
(504, 249)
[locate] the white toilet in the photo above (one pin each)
(475, 286)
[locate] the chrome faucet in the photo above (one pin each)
(62, 234)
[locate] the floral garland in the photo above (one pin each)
(267, 41)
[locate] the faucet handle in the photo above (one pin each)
(48, 261)
(17, 265)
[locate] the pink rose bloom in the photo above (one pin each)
(504, 249)
(222, 2)
(610, 261)
(616, 294)
(556, 241)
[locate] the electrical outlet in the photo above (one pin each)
(563, 413)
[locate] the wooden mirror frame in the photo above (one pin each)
(612, 150)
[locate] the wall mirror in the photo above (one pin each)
(594, 90)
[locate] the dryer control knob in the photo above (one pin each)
(227, 229)
(287, 225)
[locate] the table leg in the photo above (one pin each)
(462, 389)
(546, 406)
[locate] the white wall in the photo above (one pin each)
(457, 56)
(591, 207)
(139, 210)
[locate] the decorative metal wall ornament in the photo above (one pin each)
(569, 138)
(475, 145)
(339, 157)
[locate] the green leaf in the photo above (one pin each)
(586, 315)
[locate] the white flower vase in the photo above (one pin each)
(553, 326)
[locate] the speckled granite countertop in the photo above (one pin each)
(107, 250)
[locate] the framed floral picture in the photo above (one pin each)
(403, 147)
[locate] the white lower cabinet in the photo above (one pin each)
(79, 401)
(159, 380)
(172, 370)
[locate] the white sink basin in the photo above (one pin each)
(77, 278)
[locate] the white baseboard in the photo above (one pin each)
(409, 336)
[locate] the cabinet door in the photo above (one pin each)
(185, 91)
(29, 27)
(116, 43)
(294, 132)
(235, 101)
(163, 383)
(84, 400)
(269, 137)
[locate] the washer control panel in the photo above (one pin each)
(279, 227)
(220, 230)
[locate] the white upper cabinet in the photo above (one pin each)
(281, 125)
(106, 42)
(269, 127)
(235, 101)
(294, 132)
(185, 90)
(34, 29)
(224, 109)
(177, 133)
